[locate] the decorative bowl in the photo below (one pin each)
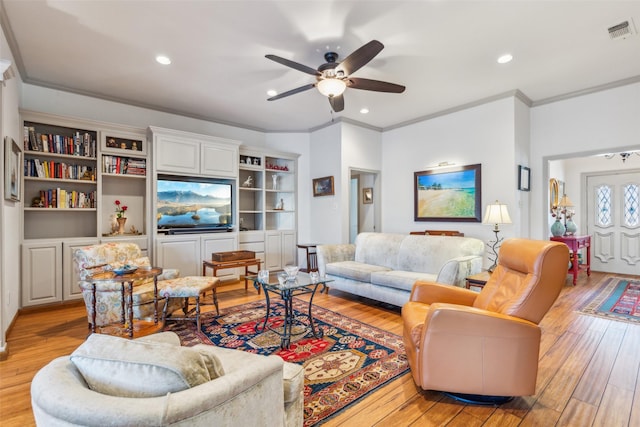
(292, 271)
(126, 269)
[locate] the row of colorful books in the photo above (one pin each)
(124, 165)
(67, 199)
(60, 170)
(79, 144)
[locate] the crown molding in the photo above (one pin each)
(588, 91)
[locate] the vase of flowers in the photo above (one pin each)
(120, 218)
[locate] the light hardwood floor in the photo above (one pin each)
(589, 368)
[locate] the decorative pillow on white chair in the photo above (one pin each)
(121, 367)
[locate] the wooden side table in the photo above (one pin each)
(312, 257)
(575, 243)
(478, 280)
(221, 265)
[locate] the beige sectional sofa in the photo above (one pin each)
(384, 266)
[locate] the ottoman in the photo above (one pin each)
(188, 287)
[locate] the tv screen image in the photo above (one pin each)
(186, 203)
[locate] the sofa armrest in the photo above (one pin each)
(431, 292)
(334, 253)
(456, 270)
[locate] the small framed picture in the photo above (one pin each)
(524, 178)
(323, 186)
(367, 195)
(12, 169)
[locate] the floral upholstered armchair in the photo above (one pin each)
(90, 259)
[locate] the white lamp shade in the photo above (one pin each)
(331, 87)
(497, 213)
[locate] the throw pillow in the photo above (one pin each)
(121, 367)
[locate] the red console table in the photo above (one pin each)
(575, 243)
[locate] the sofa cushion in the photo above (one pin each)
(427, 254)
(403, 280)
(120, 367)
(354, 270)
(379, 249)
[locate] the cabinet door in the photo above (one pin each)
(177, 155)
(221, 243)
(218, 160)
(289, 248)
(182, 253)
(273, 250)
(70, 288)
(41, 272)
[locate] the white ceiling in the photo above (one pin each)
(444, 52)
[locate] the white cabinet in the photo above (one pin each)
(41, 272)
(280, 249)
(181, 252)
(70, 288)
(186, 252)
(186, 153)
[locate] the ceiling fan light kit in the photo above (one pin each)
(333, 78)
(331, 87)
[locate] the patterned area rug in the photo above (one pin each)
(351, 360)
(617, 299)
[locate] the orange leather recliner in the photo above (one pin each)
(487, 343)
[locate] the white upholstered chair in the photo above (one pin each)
(153, 381)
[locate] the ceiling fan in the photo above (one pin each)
(332, 78)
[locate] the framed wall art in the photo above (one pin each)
(367, 195)
(451, 194)
(323, 186)
(524, 178)
(12, 169)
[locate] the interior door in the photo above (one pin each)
(613, 217)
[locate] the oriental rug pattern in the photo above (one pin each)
(617, 299)
(350, 361)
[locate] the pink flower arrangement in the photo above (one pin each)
(120, 210)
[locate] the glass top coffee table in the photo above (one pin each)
(292, 325)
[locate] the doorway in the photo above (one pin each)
(363, 211)
(613, 220)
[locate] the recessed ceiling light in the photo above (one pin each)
(505, 58)
(364, 110)
(272, 92)
(164, 60)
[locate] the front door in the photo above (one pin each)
(613, 216)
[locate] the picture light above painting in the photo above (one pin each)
(451, 194)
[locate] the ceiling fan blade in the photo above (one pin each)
(337, 103)
(360, 57)
(294, 65)
(375, 85)
(292, 91)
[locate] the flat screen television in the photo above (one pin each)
(188, 204)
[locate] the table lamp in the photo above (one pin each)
(496, 214)
(564, 204)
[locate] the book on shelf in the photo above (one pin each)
(80, 143)
(123, 165)
(59, 198)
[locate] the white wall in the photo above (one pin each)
(10, 212)
(520, 212)
(326, 218)
(483, 134)
(589, 124)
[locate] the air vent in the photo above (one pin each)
(622, 30)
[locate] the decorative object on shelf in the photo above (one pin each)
(275, 167)
(323, 186)
(280, 205)
(496, 214)
(457, 189)
(367, 195)
(524, 178)
(120, 218)
(121, 224)
(274, 178)
(248, 183)
(12, 169)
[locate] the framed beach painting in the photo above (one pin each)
(451, 194)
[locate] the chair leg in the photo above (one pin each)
(185, 307)
(165, 309)
(198, 312)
